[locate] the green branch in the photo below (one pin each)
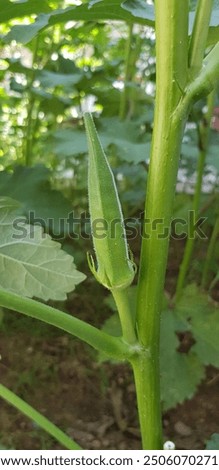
(199, 35)
(205, 82)
(34, 415)
(113, 347)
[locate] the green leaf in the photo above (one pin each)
(103, 10)
(92, 2)
(140, 9)
(213, 36)
(23, 8)
(26, 32)
(126, 137)
(112, 9)
(180, 373)
(53, 79)
(68, 142)
(134, 11)
(32, 188)
(201, 317)
(31, 263)
(213, 444)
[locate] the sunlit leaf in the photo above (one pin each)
(103, 10)
(19, 9)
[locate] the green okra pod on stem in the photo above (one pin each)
(115, 268)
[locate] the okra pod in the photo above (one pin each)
(115, 268)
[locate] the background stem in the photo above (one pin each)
(30, 107)
(210, 254)
(123, 101)
(203, 144)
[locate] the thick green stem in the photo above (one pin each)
(113, 347)
(123, 102)
(148, 399)
(125, 315)
(34, 415)
(203, 144)
(210, 255)
(199, 35)
(172, 58)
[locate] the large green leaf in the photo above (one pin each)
(135, 11)
(68, 142)
(180, 373)
(31, 263)
(52, 79)
(139, 9)
(127, 138)
(32, 188)
(25, 32)
(104, 10)
(129, 10)
(22, 8)
(201, 317)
